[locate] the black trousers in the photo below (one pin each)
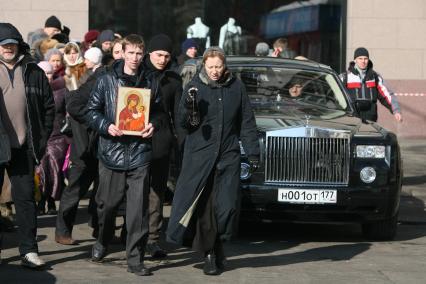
(81, 174)
(159, 175)
(113, 186)
(21, 174)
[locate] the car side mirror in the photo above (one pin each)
(363, 105)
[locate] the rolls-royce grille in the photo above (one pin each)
(300, 160)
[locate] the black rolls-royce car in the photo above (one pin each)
(319, 161)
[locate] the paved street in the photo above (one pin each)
(266, 253)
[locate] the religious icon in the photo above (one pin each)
(132, 113)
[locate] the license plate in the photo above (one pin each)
(311, 196)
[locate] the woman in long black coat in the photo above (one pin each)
(216, 112)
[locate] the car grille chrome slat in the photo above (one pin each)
(307, 160)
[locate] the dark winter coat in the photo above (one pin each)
(117, 153)
(50, 168)
(370, 88)
(59, 94)
(84, 138)
(213, 147)
(40, 107)
(166, 90)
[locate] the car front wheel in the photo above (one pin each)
(383, 230)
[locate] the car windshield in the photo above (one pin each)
(277, 85)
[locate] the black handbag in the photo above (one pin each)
(5, 152)
(66, 126)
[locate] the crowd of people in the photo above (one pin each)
(58, 113)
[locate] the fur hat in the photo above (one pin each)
(47, 44)
(361, 51)
(9, 34)
(53, 22)
(187, 44)
(160, 42)
(91, 36)
(47, 68)
(94, 55)
(105, 35)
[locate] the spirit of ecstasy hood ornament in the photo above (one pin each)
(307, 118)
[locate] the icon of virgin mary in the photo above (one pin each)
(132, 116)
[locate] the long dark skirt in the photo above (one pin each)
(50, 168)
(202, 231)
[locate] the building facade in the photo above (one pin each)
(327, 31)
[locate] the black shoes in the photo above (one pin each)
(155, 251)
(210, 267)
(215, 260)
(98, 252)
(139, 270)
(220, 256)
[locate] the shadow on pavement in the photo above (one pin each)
(17, 274)
(414, 180)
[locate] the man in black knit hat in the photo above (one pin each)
(166, 89)
(52, 26)
(366, 85)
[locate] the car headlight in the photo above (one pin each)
(368, 174)
(245, 172)
(370, 151)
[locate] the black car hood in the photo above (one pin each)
(279, 116)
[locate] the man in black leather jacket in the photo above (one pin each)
(124, 160)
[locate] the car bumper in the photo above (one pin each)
(353, 205)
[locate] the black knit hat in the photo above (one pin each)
(160, 42)
(53, 22)
(9, 34)
(361, 51)
(105, 35)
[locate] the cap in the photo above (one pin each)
(8, 41)
(187, 44)
(160, 42)
(9, 34)
(91, 35)
(94, 54)
(361, 51)
(53, 22)
(106, 35)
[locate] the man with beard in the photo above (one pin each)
(27, 110)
